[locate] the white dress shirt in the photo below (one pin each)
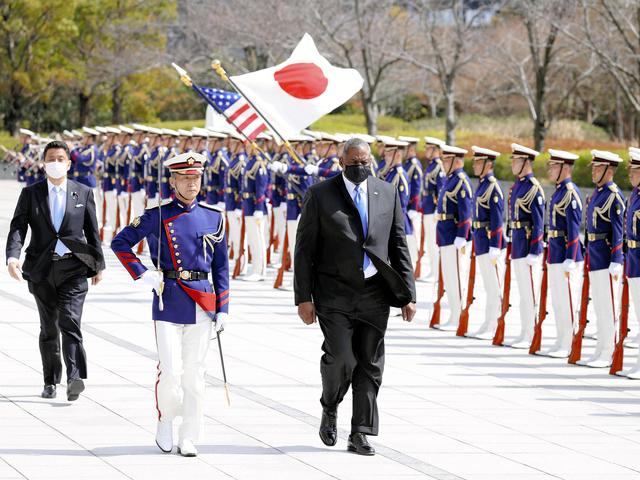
(371, 270)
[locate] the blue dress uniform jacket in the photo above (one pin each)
(109, 168)
(165, 186)
(22, 171)
(565, 216)
(526, 215)
(85, 161)
(215, 171)
(605, 214)
(122, 169)
(413, 167)
(255, 181)
(398, 177)
(297, 184)
(633, 234)
(329, 167)
(278, 192)
(139, 156)
(454, 209)
(488, 214)
(233, 182)
(434, 179)
(197, 243)
(151, 171)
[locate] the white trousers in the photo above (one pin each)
(180, 383)
(137, 203)
(430, 248)
(235, 226)
(254, 231)
(292, 231)
(98, 198)
(153, 201)
(453, 267)
(413, 249)
(604, 291)
(565, 301)
(416, 222)
(528, 281)
(280, 224)
(634, 297)
(123, 208)
(492, 280)
(111, 208)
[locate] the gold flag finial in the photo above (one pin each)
(217, 66)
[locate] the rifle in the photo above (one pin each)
(498, 338)
(435, 316)
(283, 262)
(576, 344)
(618, 353)
(463, 325)
(418, 271)
(238, 267)
(542, 311)
(271, 236)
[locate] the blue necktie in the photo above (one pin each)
(363, 218)
(58, 215)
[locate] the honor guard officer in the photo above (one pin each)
(139, 156)
(192, 247)
(152, 166)
(232, 192)
(453, 230)
(564, 256)
(434, 178)
(413, 168)
(632, 232)
(526, 226)
(488, 236)
(605, 226)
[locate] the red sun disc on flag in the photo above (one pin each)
(302, 80)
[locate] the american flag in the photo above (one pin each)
(237, 110)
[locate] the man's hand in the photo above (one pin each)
(408, 312)
(15, 271)
(96, 280)
(307, 312)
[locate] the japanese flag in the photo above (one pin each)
(296, 93)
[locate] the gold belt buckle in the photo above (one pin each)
(185, 275)
(632, 243)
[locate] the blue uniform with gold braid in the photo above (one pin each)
(109, 169)
(526, 214)
(398, 177)
(413, 167)
(233, 182)
(278, 193)
(139, 154)
(123, 163)
(297, 184)
(328, 167)
(193, 240)
(488, 214)
(434, 179)
(84, 165)
(151, 171)
(255, 181)
(454, 209)
(632, 231)
(166, 173)
(565, 216)
(605, 225)
(215, 171)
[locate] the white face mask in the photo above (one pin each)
(56, 169)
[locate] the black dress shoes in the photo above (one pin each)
(75, 387)
(49, 391)
(359, 444)
(328, 429)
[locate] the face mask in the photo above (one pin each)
(357, 173)
(56, 169)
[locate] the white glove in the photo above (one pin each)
(311, 169)
(494, 253)
(532, 259)
(238, 212)
(413, 215)
(153, 279)
(460, 243)
(615, 269)
(220, 321)
(275, 166)
(258, 214)
(569, 265)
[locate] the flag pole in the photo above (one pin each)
(217, 67)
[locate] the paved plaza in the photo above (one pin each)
(450, 408)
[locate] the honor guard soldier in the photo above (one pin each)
(123, 173)
(152, 166)
(85, 160)
(329, 164)
(216, 168)
(232, 193)
(383, 165)
(139, 157)
(255, 181)
(434, 178)
(413, 169)
(279, 198)
(564, 257)
(192, 248)
(453, 230)
(113, 150)
(170, 138)
(632, 232)
(526, 226)
(605, 227)
(488, 236)
(26, 139)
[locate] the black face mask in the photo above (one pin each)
(357, 173)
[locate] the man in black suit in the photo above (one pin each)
(64, 251)
(351, 264)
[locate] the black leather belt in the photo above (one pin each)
(185, 275)
(556, 234)
(481, 224)
(445, 216)
(57, 257)
(592, 237)
(514, 225)
(82, 174)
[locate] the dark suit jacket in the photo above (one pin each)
(79, 230)
(330, 245)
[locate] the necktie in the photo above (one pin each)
(363, 218)
(58, 215)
